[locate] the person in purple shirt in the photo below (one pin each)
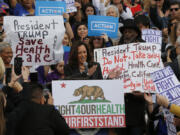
(57, 74)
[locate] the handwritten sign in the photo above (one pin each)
(37, 39)
(98, 25)
(152, 36)
(136, 61)
(90, 103)
(167, 84)
(48, 8)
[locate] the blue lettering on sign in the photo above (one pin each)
(98, 25)
(51, 10)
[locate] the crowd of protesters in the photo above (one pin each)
(26, 104)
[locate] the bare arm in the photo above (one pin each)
(68, 26)
(78, 16)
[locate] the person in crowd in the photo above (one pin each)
(175, 33)
(42, 119)
(4, 11)
(163, 101)
(89, 9)
(81, 33)
(99, 42)
(80, 63)
(134, 102)
(142, 21)
(113, 11)
(133, 5)
(124, 11)
(67, 47)
(23, 8)
(6, 55)
(175, 10)
(131, 33)
(57, 74)
(159, 13)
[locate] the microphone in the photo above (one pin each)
(86, 67)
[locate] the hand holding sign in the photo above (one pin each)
(161, 100)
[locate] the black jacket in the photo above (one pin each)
(74, 73)
(42, 120)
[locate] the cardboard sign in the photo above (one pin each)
(169, 117)
(98, 25)
(90, 103)
(136, 61)
(37, 39)
(152, 36)
(49, 8)
(70, 6)
(167, 84)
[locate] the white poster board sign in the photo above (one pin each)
(37, 39)
(171, 129)
(167, 84)
(152, 36)
(90, 103)
(136, 61)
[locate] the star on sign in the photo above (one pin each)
(63, 85)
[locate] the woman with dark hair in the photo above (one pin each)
(80, 63)
(99, 42)
(89, 9)
(81, 31)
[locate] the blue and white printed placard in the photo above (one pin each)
(98, 25)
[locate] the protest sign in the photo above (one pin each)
(90, 103)
(169, 117)
(136, 61)
(98, 25)
(49, 8)
(152, 36)
(37, 39)
(167, 84)
(70, 7)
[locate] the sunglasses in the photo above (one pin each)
(176, 9)
(157, 0)
(97, 38)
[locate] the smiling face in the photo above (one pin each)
(82, 54)
(111, 12)
(7, 55)
(82, 31)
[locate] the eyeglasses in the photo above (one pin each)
(157, 0)
(176, 9)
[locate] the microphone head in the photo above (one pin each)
(85, 64)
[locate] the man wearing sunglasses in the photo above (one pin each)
(175, 10)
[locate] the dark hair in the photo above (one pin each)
(89, 5)
(175, 3)
(73, 56)
(76, 28)
(34, 91)
(142, 19)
